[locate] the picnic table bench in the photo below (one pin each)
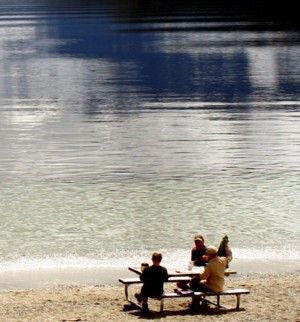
(237, 292)
(136, 280)
(181, 277)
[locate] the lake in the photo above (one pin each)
(129, 127)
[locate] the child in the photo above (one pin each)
(153, 278)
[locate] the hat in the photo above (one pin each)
(198, 239)
(211, 250)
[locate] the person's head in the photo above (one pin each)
(156, 258)
(199, 241)
(211, 252)
(199, 237)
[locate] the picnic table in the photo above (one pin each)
(179, 275)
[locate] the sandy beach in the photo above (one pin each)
(272, 298)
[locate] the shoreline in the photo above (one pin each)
(39, 278)
(273, 297)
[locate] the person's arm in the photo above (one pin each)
(205, 274)
(166, 277)
(144, 275)
(204, 256)
(196, 258)
(193, 255)
(228, 253)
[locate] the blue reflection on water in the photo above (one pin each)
(202, 58)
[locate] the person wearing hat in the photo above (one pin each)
(212, 278)
(198, 253)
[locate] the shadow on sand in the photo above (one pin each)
(184, 312)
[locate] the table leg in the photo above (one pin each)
(133, 303)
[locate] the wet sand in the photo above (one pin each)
(272, 298)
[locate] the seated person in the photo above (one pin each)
(223, 249)
(198, 257)
(153, 278)
(198, 254)
(212, 278)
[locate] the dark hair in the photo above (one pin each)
(157, 257)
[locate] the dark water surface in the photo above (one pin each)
(131, 126)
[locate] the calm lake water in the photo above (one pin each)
(128, 127)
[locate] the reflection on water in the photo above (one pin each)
(124, 126)
(159, 140)
(94, 54)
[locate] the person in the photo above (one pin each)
(153, 278)
(198, 253)
(212, 278)
(222, 250)
(198, 257)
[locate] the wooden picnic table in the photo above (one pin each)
(183, 275)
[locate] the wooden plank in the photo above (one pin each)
(136, 280)
(229, 292)
(174, 295)
(135, 270)
(235, 291)
(184, 272)
(130, 280)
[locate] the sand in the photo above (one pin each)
(272, 298)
